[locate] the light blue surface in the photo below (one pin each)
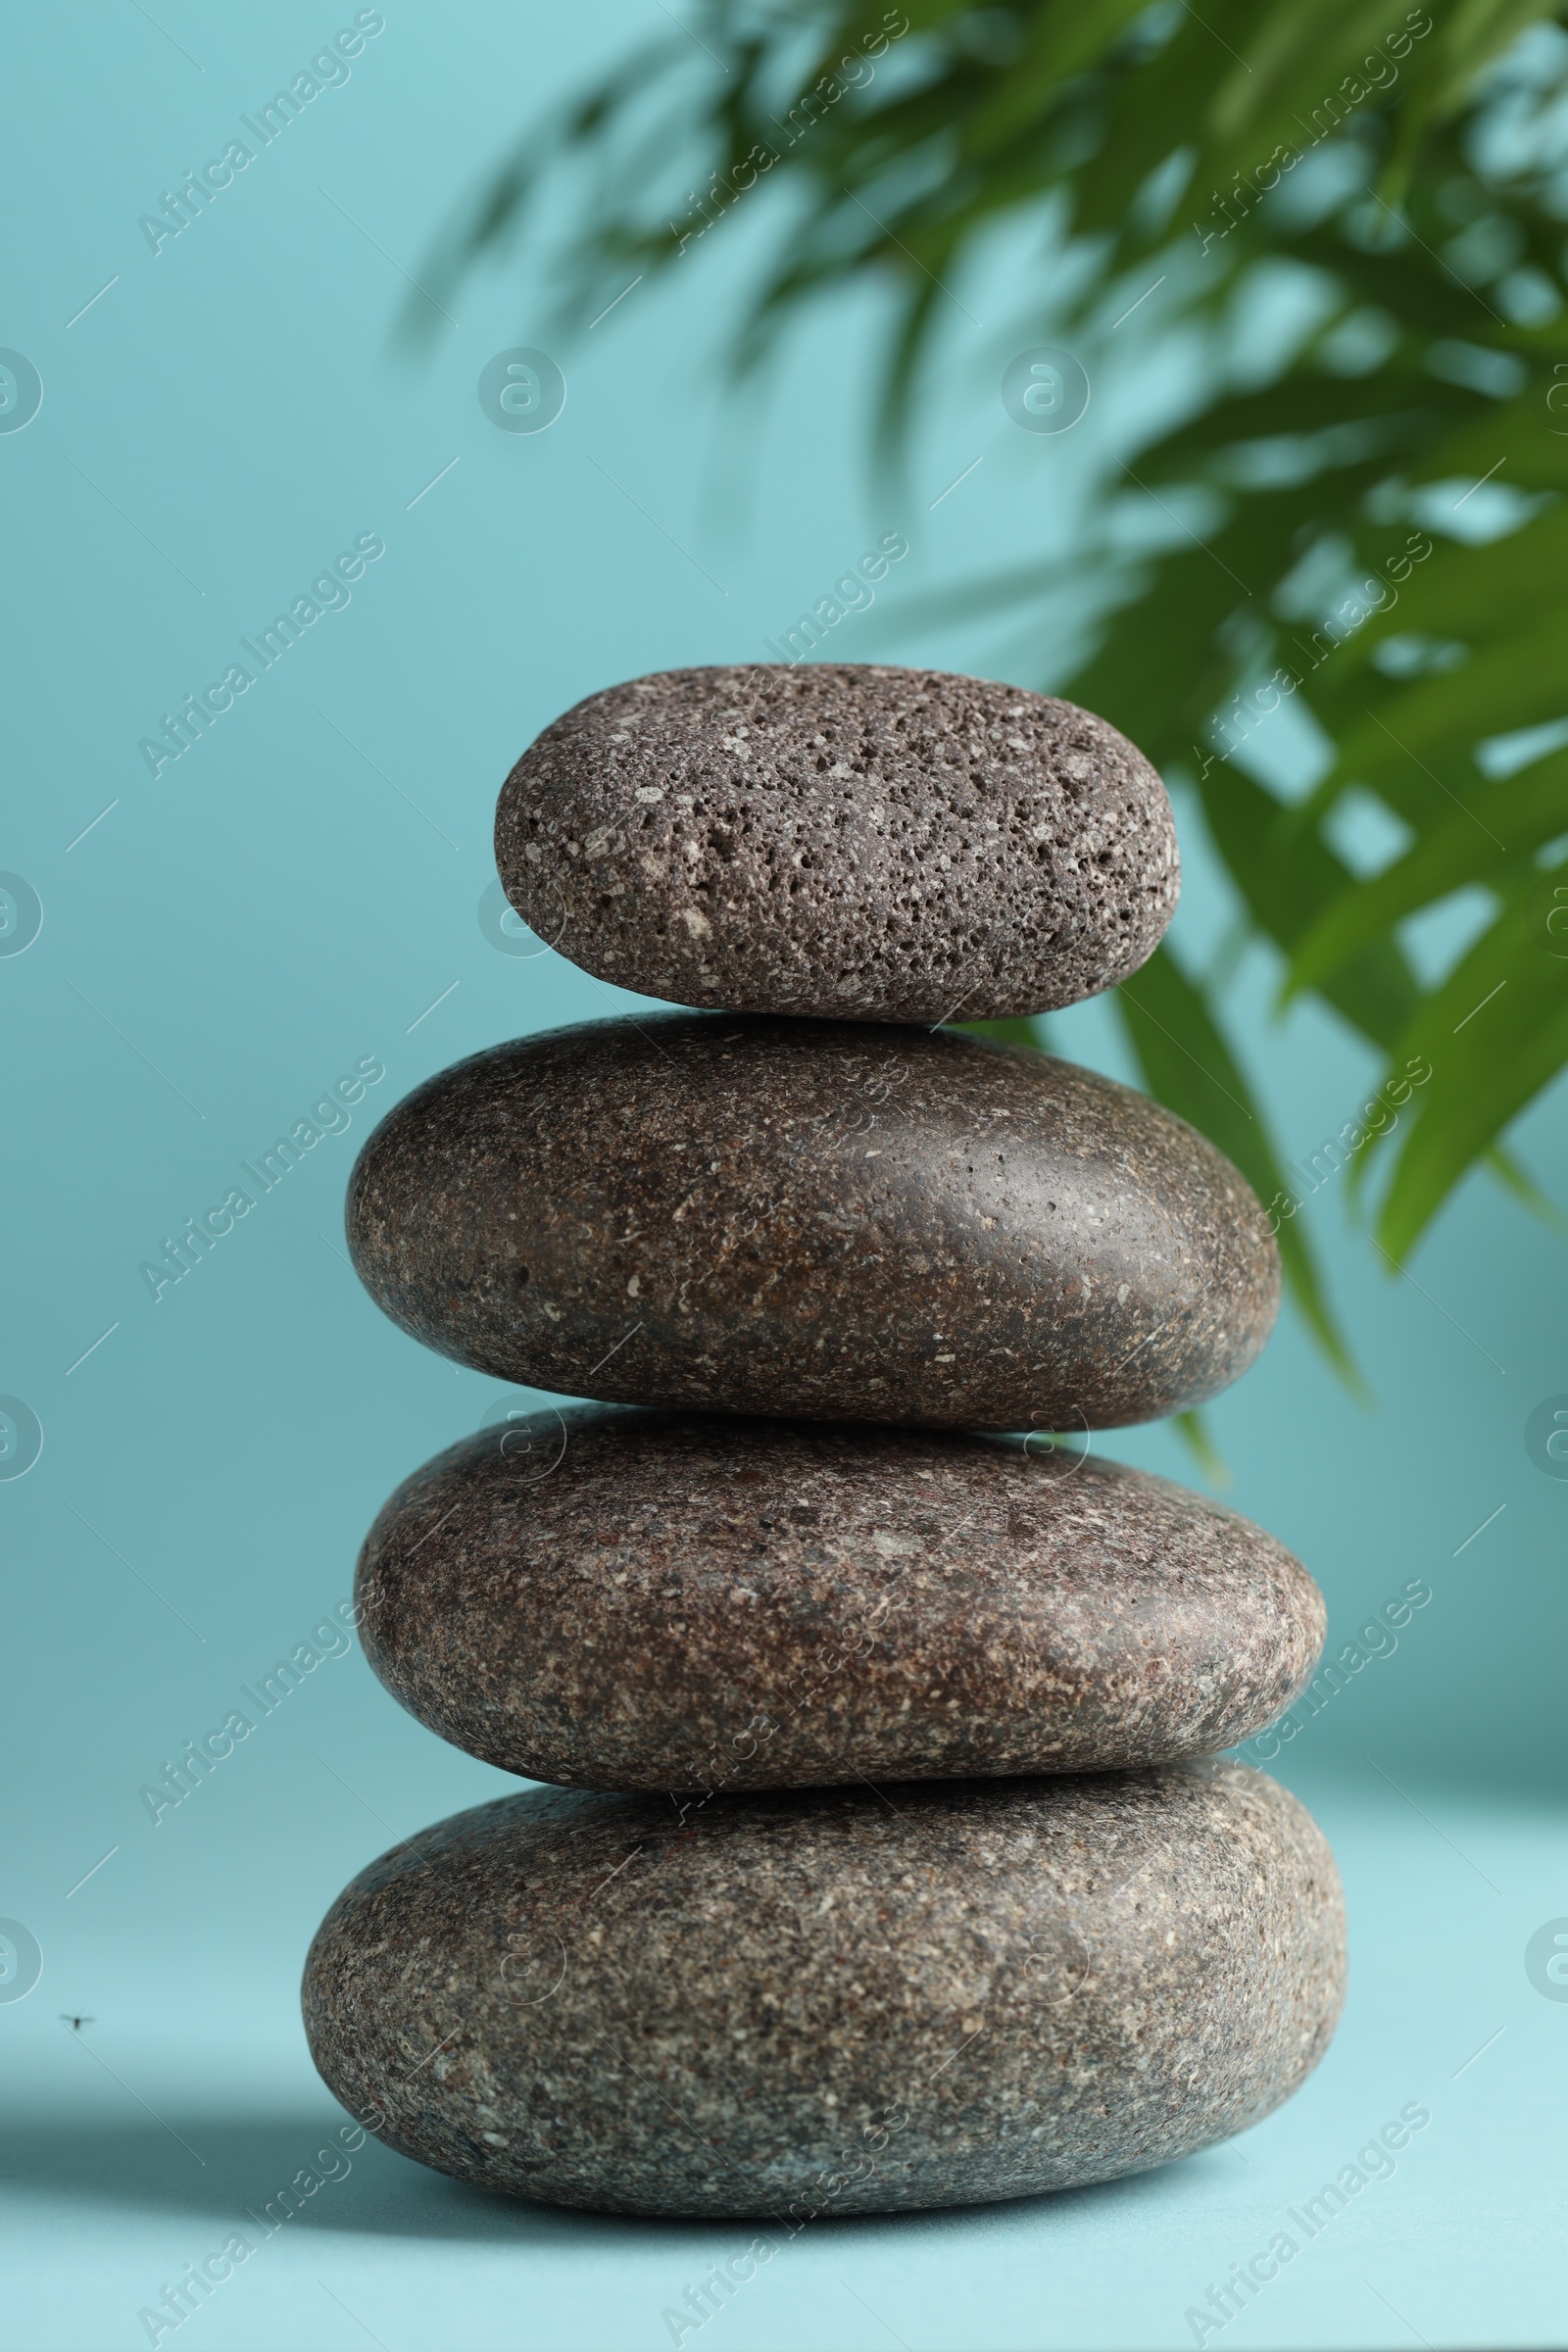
(1461, 2245)
(300, 892)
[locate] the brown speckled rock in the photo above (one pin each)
(849, 842)
(823, 1220)
(794, 2005)
(627, 1600)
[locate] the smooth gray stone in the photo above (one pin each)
(820, 1220)
(853, 843)
(793, 2005)
(640, 1602)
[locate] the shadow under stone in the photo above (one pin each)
(245, 2173)
(250, 2173)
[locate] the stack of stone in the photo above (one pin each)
(891, 1861)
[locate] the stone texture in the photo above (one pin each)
(828, 1221)
(841, 841)
(796, 2005)
(638, 1601)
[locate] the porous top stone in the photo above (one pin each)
(642, 1601)
(827, 1221)
(850, 842)
(794, 2005)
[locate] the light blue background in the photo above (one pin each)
(281, 902)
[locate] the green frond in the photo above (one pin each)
(1386, 543)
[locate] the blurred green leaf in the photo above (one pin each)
(1384, 543)
(1510, 819)
(1187, 1065)
(1200, 1443)
(1027, 1032)
(1494, 1032)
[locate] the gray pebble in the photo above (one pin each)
(792, 2006)
(635, 1601)
(849, 842)
(828, 1221)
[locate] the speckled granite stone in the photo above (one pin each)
(848, 842)
(796, 2006)
(635, 1601)
(829, 1221)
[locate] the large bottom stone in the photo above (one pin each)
(794, 2004)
